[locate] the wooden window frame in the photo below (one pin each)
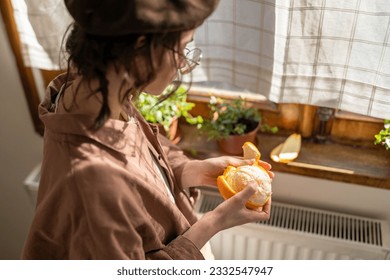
(292, 117)
(343, 128)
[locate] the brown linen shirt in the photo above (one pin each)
(100, 193)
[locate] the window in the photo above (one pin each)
(290, 61)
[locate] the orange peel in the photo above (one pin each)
(288, 150)
(250, 151)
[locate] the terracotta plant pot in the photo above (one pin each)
(174, 131)
(233, 144)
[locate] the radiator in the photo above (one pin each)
(301, 233)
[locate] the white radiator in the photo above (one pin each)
(295, 232)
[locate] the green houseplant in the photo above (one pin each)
(383, 136)
(166, 113)
(232, 123)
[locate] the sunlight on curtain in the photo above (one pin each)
(41, 25)
(328, 53)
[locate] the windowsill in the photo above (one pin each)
(332, 161)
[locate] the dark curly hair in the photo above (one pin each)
(91, 55)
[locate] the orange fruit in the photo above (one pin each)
(235, 179)
(224, 188)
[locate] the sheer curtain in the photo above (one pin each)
(41, 25)
(328, 53)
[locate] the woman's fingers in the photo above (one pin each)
(238, 161)
(267, 207)
(224, 161)
(246, 193)
(264, 164)
(267, 167)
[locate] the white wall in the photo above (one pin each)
(20, 151)
(336, 196)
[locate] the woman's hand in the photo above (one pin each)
(233, 212)
(205, 172)
(230, 213)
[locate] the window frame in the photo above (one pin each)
(344, 127)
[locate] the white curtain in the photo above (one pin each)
(41, 25)
(328, 53)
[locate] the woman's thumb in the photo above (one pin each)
(248, 191)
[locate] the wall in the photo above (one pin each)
(335, 196)
(20, 151)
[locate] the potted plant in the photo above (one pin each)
(383, 136)
(166, 113)
(232, 123)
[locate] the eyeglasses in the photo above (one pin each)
(192, 59)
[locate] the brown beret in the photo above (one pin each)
(122, 17)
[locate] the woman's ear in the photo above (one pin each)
(140, 42)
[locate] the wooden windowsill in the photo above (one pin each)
(332, 161)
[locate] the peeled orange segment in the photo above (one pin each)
(250, 151)
(251, 205)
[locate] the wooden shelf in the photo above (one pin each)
(332, 161)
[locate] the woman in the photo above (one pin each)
(111, 187)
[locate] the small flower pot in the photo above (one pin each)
(233, 144)
(174, 133)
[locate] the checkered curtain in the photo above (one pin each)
(328, 53)
(41, 25)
